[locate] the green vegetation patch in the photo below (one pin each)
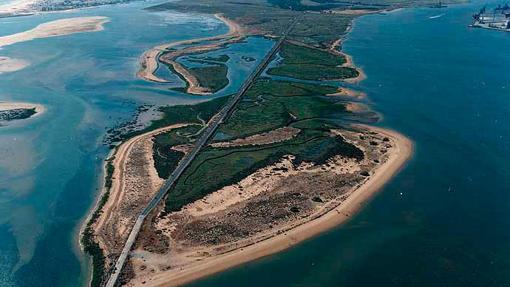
(16, 114)
(165, 158)
(211, 77)
(271, 104)
(274, 16)
(215, 168)
(268, 105)
(197, 113)
(311, 64)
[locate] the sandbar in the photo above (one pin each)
(8, 65)
(57, 28)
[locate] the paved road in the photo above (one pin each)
(185, 162)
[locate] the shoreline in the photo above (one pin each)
(87, 258)
(39, 109)
(350, 63)
(95, 218)
(149, 60)
(333, 218)
(17, 7)
(119, 156)
(349, 93)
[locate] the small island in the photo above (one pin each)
(18, 111)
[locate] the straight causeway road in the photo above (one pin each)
(207, 134)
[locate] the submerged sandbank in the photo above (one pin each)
(55, 28)
(8, 65)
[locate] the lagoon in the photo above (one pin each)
(50, 166)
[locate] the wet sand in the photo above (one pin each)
(346, 92)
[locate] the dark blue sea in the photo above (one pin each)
(444, 220)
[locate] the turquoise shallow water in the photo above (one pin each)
(50, 165)
(444, 220)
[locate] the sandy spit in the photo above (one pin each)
(117, 188)
(57, 28)
(352, 204)
(149, 60)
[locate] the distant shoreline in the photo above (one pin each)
(17, 8)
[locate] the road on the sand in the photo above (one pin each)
(184, 163)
